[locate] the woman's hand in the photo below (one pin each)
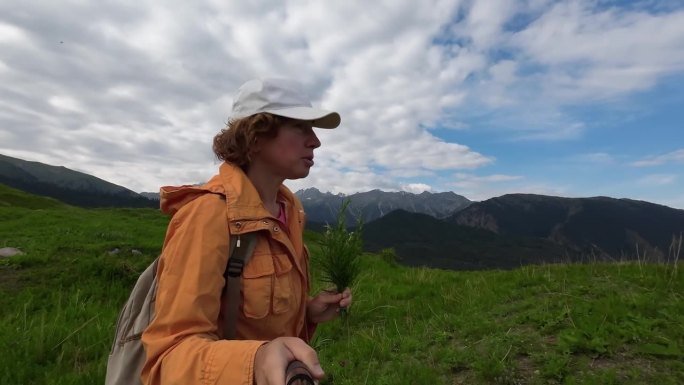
(272, 358)
(326, 305)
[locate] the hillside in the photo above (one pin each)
(421, 240)
(17, 198)
(69, 186)
(598, 225)
(540, 324)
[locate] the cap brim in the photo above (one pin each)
(318, 118)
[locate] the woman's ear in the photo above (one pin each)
(255, 148)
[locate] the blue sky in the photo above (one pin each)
(600, 159)
(568, 98)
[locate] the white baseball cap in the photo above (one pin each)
(282, 97)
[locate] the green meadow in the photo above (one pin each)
(594, 323)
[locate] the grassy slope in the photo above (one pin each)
(10, 197)
(535, 325)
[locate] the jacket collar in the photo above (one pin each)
(242, 199)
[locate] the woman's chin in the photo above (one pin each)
(299, 174)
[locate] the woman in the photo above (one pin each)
(268, 140)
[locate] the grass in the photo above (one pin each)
(592, 323)
(573, 324)
(12, 197)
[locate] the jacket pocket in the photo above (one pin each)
(257, 286)
(282, 284)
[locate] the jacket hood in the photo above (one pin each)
(241, 196)
(172, 198)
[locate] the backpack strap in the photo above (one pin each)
(241, 249)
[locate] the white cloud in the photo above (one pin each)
(595, 157)
(485, 22)
(486, 192)
(570, 53)
(134, 92)
(11, 34)
(592, 52)
(473, 181)
(155, 80)
(479, 188)
(676, 156)
(552, 131)
(658, 179)
(330, 179)
(416, 188)
(65, 103)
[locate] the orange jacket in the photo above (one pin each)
(183, 342)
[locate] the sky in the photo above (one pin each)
(572, 98)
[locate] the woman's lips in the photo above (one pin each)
(308, 160)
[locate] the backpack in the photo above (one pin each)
(127, 355)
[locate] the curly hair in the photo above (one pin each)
(235, 142)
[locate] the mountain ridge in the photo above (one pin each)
(69, 186)
(370, 205)
(612, 226)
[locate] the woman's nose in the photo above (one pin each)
(313, 140)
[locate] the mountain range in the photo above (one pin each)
(603, 225)
(442, 230)
(518, 229)
(69, 186)
(368, 206)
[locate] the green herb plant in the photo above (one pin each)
(340, 252)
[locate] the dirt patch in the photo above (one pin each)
(462, 376)
(525, 367)
(622, 364)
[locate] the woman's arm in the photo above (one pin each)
(181, 342)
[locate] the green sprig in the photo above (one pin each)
(340, 252)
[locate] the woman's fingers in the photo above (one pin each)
(343, 299)
(305, 353)
(346, 298)
(329, 297)
(326, 305)
(272, 358)
(269, 363)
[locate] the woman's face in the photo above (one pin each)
(290, 154)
